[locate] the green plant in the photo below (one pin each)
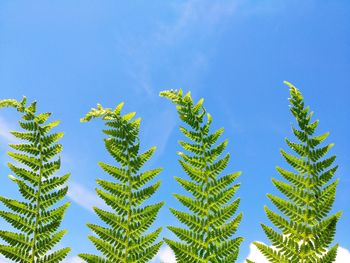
(306, 230)
(210, 224)
(35, 218)
(124, 240)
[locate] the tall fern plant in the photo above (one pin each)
(211, 222)
(306, 228)
(37, 218)
(124, 238)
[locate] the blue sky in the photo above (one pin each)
(69, 55)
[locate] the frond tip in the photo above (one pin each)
(19, 105)
(290, 85)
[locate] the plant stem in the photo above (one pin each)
(38, 198)
(129, 208)
(306, 219)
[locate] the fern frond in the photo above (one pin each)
(210, 222)
(305, 229)
(37, 218)
(123, 239)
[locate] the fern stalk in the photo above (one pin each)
(306, 229)
(208, 237)
(36, 223)
(124, 239)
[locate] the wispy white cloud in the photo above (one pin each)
(3, 259)
(158, 131)
(196, 22)
(258, 8)
(74, 259)
(165, 255)
(200, 15)
(5, 128)
(255, 255)
(343, 255)
(84, 197)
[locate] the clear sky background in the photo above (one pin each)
(70, 55)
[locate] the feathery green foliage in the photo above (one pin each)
(37, 219)
(124, 240)
(306, 229)
(210, 223)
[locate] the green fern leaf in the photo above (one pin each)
(123, 239)
(210, 222)
(305, 230)
(37, 218)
